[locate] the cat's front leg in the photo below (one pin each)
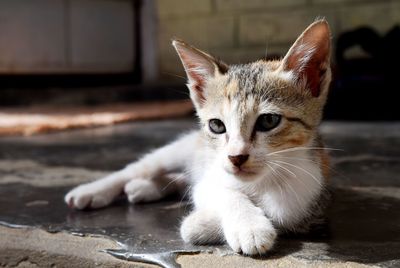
(245, 227)
(251, 234)
(146, 171)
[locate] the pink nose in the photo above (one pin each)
(238, 160)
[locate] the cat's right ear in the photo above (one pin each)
(308, 58)
(199, 67)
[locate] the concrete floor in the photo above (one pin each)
(37, 229)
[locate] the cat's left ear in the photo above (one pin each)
(199, 67)
(309, 57)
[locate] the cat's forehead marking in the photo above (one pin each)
(231, 88)
(246, 77)
(263, 82)
(251, 82)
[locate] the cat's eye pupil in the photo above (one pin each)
(216, 126)
(266, 122)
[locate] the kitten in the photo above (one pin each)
(256, 165)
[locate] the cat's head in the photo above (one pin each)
(249, 111)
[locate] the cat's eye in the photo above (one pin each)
(216, 126)
(266, 122)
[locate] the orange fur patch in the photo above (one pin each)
(324, 163)
(289, 137)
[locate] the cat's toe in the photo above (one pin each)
(201, 227)
(253, 238)
(259, 242)
(142, 190)
(82, 201)
(99, 201)
(77, 198)
(89, 196)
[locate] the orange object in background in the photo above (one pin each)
(40, 119)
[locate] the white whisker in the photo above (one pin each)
(303, 148)
(274, 181)
(309, 173)
(180, 177)
(295, 176)
(283, 179)
(286, 169)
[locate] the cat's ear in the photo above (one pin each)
(199, 67)
(309, 57)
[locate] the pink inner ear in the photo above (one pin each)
(314, 73)
(308, 65)
(198, 69)
(309, 56)
(198, 83)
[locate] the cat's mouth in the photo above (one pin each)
(242, 172)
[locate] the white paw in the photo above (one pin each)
(94, 195)
(252, 236)
(142, 190)
(201, 227)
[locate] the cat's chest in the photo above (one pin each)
(288, 203)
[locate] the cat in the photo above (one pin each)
(257, 165)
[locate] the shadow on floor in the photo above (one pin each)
(363, 223)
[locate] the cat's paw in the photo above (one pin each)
(253, 236)
(201, 227)
(94, 195)
(142, 190)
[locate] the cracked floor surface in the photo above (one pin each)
(38, 230)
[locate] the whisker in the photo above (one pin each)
(309, 173)
(286, 169)
(289, 171)
(303, 148)
(289, 186)
(184, 195)
(176, 75)
(295, 176)
(274, 181)
(283, 180)
(311, 161)
(330, 167)
(181, 176)
(182, 92)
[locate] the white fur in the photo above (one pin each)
(162, 161)
(306, 51)
(247, 209)
(272, 189)
(240, 212)
(287, 76)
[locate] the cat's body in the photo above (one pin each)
(257, 165)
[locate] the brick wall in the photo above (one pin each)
(242, 30)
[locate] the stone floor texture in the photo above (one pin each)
(38, 230)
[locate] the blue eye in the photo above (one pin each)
(266, 122)
(216, 126)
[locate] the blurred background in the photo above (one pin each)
(74, 63)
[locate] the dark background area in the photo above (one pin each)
(364, 61)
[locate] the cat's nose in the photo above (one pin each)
(238, 160)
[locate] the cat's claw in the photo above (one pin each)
(70, 202)
(254, 237)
